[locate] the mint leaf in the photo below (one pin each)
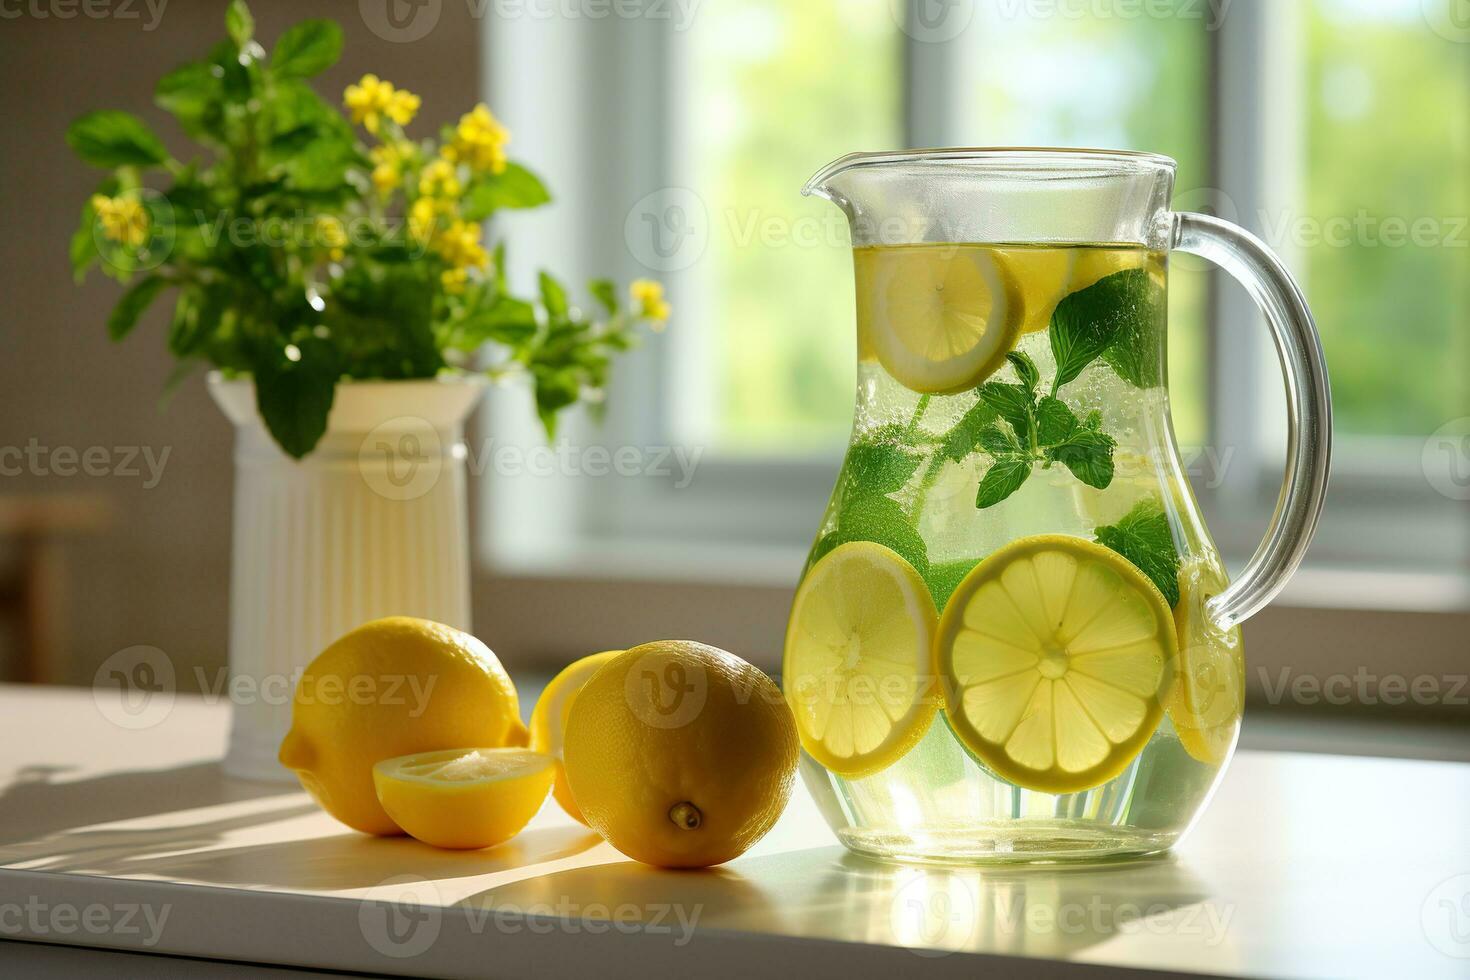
(306, 49)
(1012, 403)
(1143, 536)
(1004, 478)
(137, 299)
(1136, 354)
(1025, 369)
(1087, 322)
(945, 577)
(1055, 422)
(999, 441)
(110, 138)
(960, 441)
(1088, 454)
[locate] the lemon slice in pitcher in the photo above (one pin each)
(1208, 694)
(1053, 655)
(940, 318)
(856, 670)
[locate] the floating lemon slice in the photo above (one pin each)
(1046, 276)
(1208, 696)
(464, 798)
(939, 318)
(1053, 655)
(549, 721)
(857, 665)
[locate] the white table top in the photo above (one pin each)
(1304, 866)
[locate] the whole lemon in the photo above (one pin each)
(393, 687)
(680, 754)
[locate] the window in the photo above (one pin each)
(1319, 121)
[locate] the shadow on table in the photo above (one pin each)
(832, 894)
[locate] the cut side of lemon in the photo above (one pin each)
(857, 666)
(1208, 695)
(1054, 655)
(549, 721)
(939, 318)
(464, 798)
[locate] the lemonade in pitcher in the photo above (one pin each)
(1003, 646)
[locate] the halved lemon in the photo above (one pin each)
(857, 666)
(464, 798)
(1208, 695)
(1054, 655)
(549, 721)
(940, 318)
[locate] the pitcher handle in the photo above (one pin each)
(1308, 406)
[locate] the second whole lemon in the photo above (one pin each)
(680, 754)
(393, 687)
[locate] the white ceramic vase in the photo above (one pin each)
(371, 523)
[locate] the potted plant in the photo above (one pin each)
(330, 268)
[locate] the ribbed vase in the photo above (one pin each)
(371, 523)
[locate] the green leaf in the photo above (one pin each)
(1136, 354)
(606, 293)
(506, 321)
(83, 248)
(109, 138)
(553, 296)
(294, 397)
(517, 187)
(306, 49)
(945, 577)
(1025, 370)
(1004, 478)
(882, 521)
(1144, 537)
(877, 468)
(999, 441)
(196, 321)
(1013, 403)
(960, 441)
(194, 95)
(239, 24)
(1088, 454)
(1087, 322)
(137, 299)
(1055, 422)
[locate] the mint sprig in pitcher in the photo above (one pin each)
(1014, 639)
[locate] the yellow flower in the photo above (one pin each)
(388, 161)
(459, 245)
(331, 235)
(124, 219)
(648, 298)
(454, 280)
(479, 142)
(372, 98)
(439, 179)
(424, 216)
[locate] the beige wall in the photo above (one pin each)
(159, 576)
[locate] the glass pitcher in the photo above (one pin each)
(1014, 639)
